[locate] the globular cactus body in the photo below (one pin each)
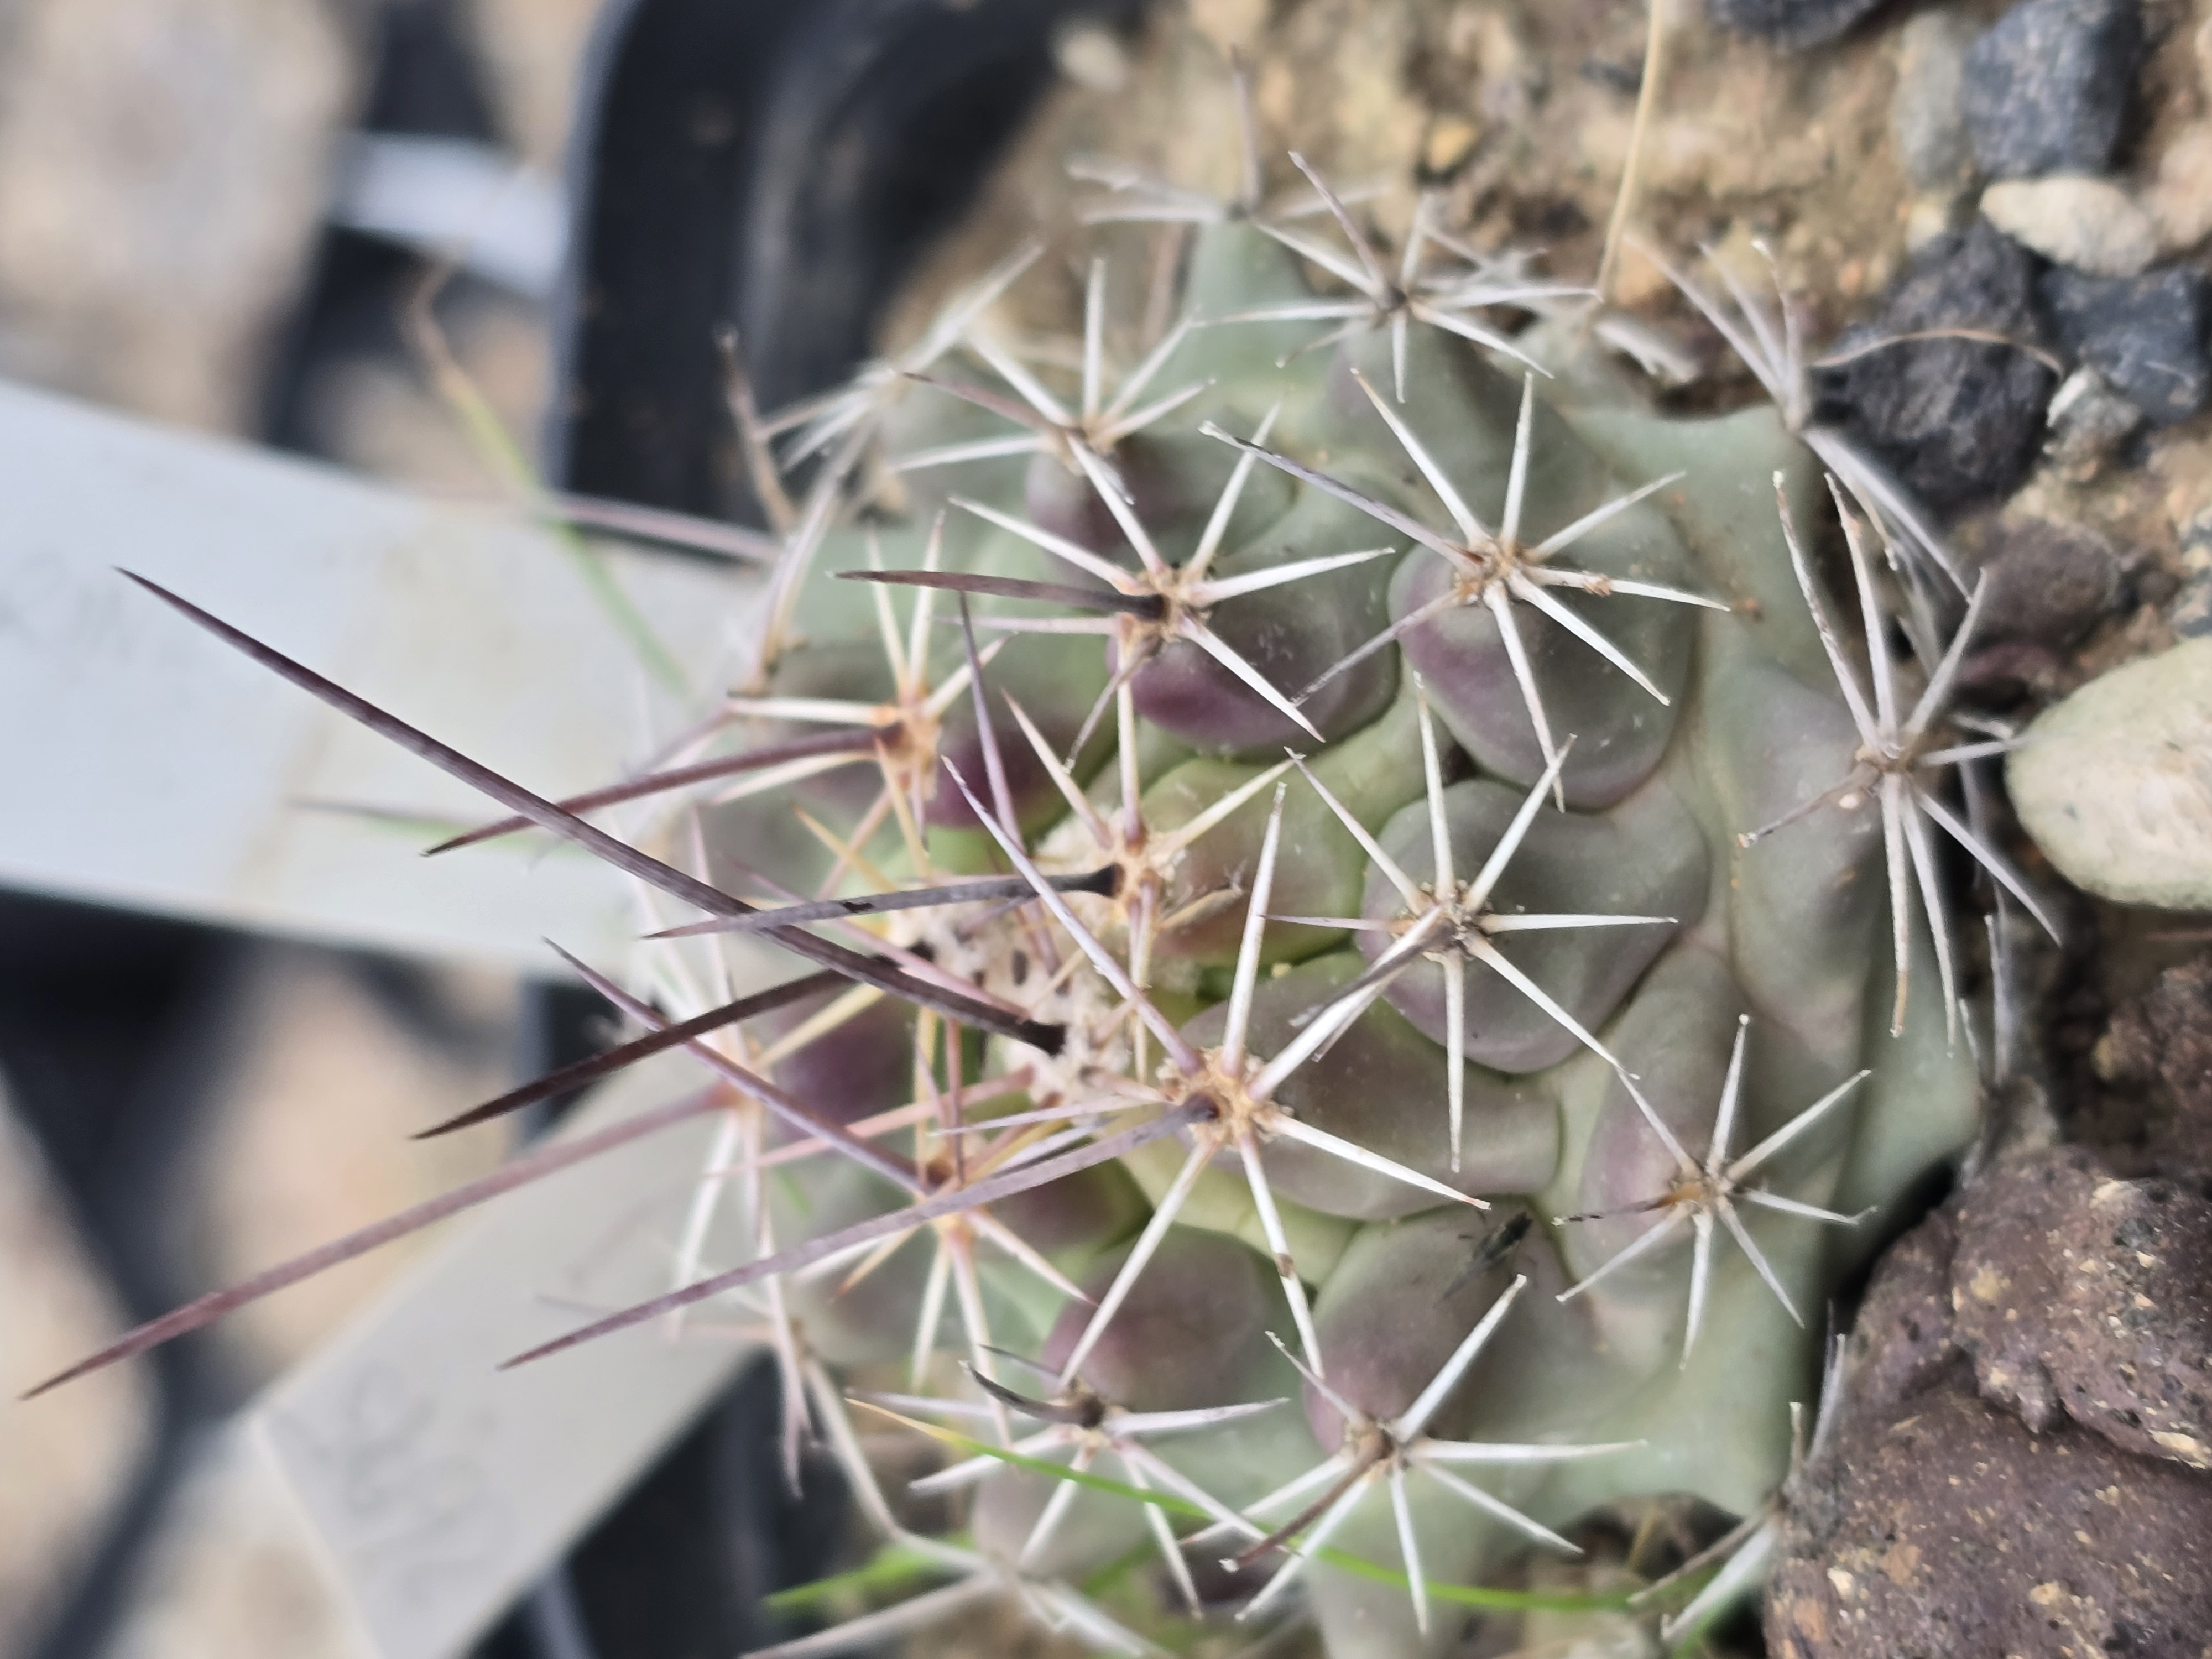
(1665, 685)
(1469, 1080)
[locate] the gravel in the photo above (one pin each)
(1925, 111)
(1792, 23)
(2178, 196)
(2089, 423)
(163, 169)
(2047, 88)
(2188, 613)
(2158, 1049)
(2046, 581)
(1957, 420)
(2145, 335)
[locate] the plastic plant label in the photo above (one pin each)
(150, 767)
(438, 1485)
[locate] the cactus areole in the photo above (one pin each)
(1341, 1033)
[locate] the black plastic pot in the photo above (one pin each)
(777, 166)
(774, 166)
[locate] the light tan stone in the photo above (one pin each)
(1229, 24)
(2088, 224)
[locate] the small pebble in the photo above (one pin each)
(1955, 419)
(2087, 223)
(2046, 90)
(1450, 142)
(1792, 23)
(2179, 196)
(1231, 25)
(2090, 422)
(2158, 1050)
(1929, 216)
(2189, 613)
(2115, 783)
(1998, 676)
(1090, 55)
(2145, 335)
(1924, 113)
(2046, 581)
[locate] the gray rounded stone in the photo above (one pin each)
(2115, 783)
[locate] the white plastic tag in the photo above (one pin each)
(438, 1485)
(150, 766)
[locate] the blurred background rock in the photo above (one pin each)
(211, 212)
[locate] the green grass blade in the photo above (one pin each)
(495, 447)
(893, 1567)
(1466, 1596)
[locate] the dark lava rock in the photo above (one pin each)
(2047, 88)
(2161, 1045)
(1999, 675)
(1950, 1529)
(2047, 582)
(2145, 335)
(1900, 1343)
(2076, 1293)
(1955, 419)
(1933, 1523)
(1792, 23)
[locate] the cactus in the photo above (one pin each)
(1300, 840)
